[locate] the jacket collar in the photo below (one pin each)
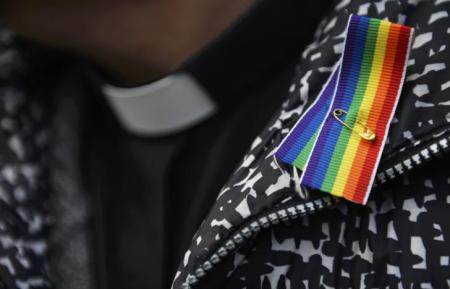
(270, 36)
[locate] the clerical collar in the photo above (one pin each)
(169, 105)
(269, 35)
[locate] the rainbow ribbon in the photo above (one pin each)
(332, 149)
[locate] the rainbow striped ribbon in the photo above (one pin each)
(329, 150)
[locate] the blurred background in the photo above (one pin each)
(111, 195)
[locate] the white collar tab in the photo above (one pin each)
(167, 106)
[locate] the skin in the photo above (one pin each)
(134, 40)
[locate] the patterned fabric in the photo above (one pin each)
(400, 240)
(24, 186)
(422, 118)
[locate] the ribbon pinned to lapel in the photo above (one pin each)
(337, 143)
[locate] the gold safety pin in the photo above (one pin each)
(366, 133)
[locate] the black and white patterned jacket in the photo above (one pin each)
(245, 242)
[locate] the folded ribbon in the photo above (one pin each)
(337, 143)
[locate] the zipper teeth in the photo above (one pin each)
(293, 212)
(434, 150)
(267, 220)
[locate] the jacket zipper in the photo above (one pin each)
(294, 211)
(436, 149)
